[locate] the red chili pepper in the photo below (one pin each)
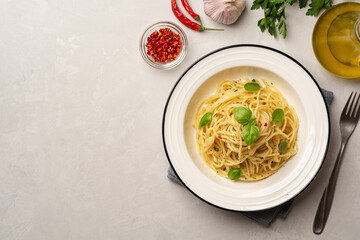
(265, 124)
(187, 22)
(220, 137)
(190, 11)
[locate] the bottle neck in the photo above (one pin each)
(357, 29)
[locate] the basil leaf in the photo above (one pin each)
(250, 133)
(205, 119)
(242, 115)
(278, 115)
(252, 121)
(251, 86)
(234, 174)
(282, 146)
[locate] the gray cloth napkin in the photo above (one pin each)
(264, 217)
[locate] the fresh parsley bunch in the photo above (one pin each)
(274, 13)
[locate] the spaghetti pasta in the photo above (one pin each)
(221, 141)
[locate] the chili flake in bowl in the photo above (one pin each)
(163, 45)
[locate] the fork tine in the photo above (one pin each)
(358, 108)
(344, 111)
(351, 111)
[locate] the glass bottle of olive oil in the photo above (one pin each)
(336, 40)
(343, 38)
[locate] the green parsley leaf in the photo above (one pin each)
(316, 4)
(277, 1)
(274, 13)
(282, 28)
(265, 3)
(261, 24)
(315, 7)
(303, 3)
(312, 12)
(327, 4)
(272, 31)
(255, 6)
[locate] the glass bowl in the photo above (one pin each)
(157, 26)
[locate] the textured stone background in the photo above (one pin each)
(81, 153)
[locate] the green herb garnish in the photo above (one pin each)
(205, 119)
(242, 115)
(234, 174)
(261, 158)
(252, 121)
(250, 134)
(253, 80)
(274, 13)
(278, 115)
(236, 90)
(282, 146)
(216, 149)
(315, 6)
(251, 86)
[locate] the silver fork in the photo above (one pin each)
(348, 120)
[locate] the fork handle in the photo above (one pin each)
(328, 195)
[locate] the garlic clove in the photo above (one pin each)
(224, 11)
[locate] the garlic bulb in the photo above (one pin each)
(224, 11)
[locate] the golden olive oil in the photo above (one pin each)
(343, 38)
(336, 40)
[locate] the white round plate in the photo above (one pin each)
(200, 80)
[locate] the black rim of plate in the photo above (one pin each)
(235, 46)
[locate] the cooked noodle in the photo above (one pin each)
(221, 142)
